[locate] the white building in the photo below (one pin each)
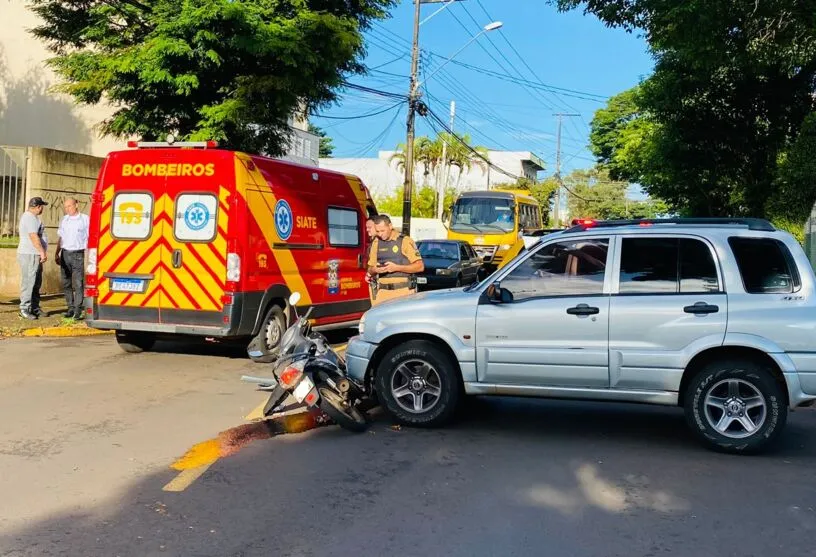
(383, 177)
(30, 114)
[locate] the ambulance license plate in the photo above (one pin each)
(127, 285)
(303, 389)
(422, 280)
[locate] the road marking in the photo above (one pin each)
(206, 452)
(186, 478)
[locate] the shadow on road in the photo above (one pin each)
(512, 476)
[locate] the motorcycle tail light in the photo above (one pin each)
(311, 398)
(290, 377)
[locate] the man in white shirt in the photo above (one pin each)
(32, 252)
(73, 240)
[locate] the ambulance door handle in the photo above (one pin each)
(176, 258)
(360, 260)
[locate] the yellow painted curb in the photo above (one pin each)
(63, 332)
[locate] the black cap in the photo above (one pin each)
(37, 202)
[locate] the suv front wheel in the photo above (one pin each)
(418, 384)
(736, 406)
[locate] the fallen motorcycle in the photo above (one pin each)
(308, 369)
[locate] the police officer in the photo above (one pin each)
(394, 260)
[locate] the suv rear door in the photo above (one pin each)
(667, 301)
(555, 331)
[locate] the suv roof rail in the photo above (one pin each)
(752, 223)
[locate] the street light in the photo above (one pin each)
(486, 29)
(408, 184)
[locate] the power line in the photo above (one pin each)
(359, 116)
(520, 57)
(541, 97)
(477, 154)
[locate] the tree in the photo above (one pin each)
(205, 69)
(732, 86)
(593, 194)
(326, 143)
(423, 202)
(428, 153)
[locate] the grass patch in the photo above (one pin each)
(9, 242)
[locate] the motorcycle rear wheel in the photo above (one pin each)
(343, 414)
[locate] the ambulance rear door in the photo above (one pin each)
(131, 229)
(198, 184)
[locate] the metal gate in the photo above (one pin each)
(12, 191)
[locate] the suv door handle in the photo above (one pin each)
(701, 308)
(583, 309)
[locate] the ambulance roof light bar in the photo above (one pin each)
(171, 142)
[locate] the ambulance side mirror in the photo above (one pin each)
(294, 298)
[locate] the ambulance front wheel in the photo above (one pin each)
(263, 348)
(134, 342)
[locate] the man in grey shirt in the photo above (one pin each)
(31, 254)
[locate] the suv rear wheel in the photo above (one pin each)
(736, 406)
(418, 384)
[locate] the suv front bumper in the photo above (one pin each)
(358, 358)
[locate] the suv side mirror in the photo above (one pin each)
(497, 294)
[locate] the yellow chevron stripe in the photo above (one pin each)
(164, 205)
(265, 218)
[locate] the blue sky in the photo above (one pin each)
(566, 50)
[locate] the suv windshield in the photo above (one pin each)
(483, 215)
(439, 250)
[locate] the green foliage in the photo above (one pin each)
(732, 86)
(794, 195)
(233, 71)
(428, 155)
(593, 194)
(423, 202)
(326, 142)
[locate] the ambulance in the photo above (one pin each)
(189, 239)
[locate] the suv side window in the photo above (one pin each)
(667, 266)
(765, 264)
(574, 268)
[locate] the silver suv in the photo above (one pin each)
(717, 316)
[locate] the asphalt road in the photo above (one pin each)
(88, 434)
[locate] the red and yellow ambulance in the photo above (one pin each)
(187, 239)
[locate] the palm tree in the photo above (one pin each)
(465, 158)
(426, 152)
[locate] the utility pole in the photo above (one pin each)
(408, 184)
(443, 186)
(558, 178)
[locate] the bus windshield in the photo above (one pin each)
(483, 215)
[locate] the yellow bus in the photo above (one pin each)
(493, 222)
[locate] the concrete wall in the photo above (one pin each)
(29, 113)
(52, 175)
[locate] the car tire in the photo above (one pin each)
(418, 384)
(736, 406)
(135, 342)
(264, 347)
